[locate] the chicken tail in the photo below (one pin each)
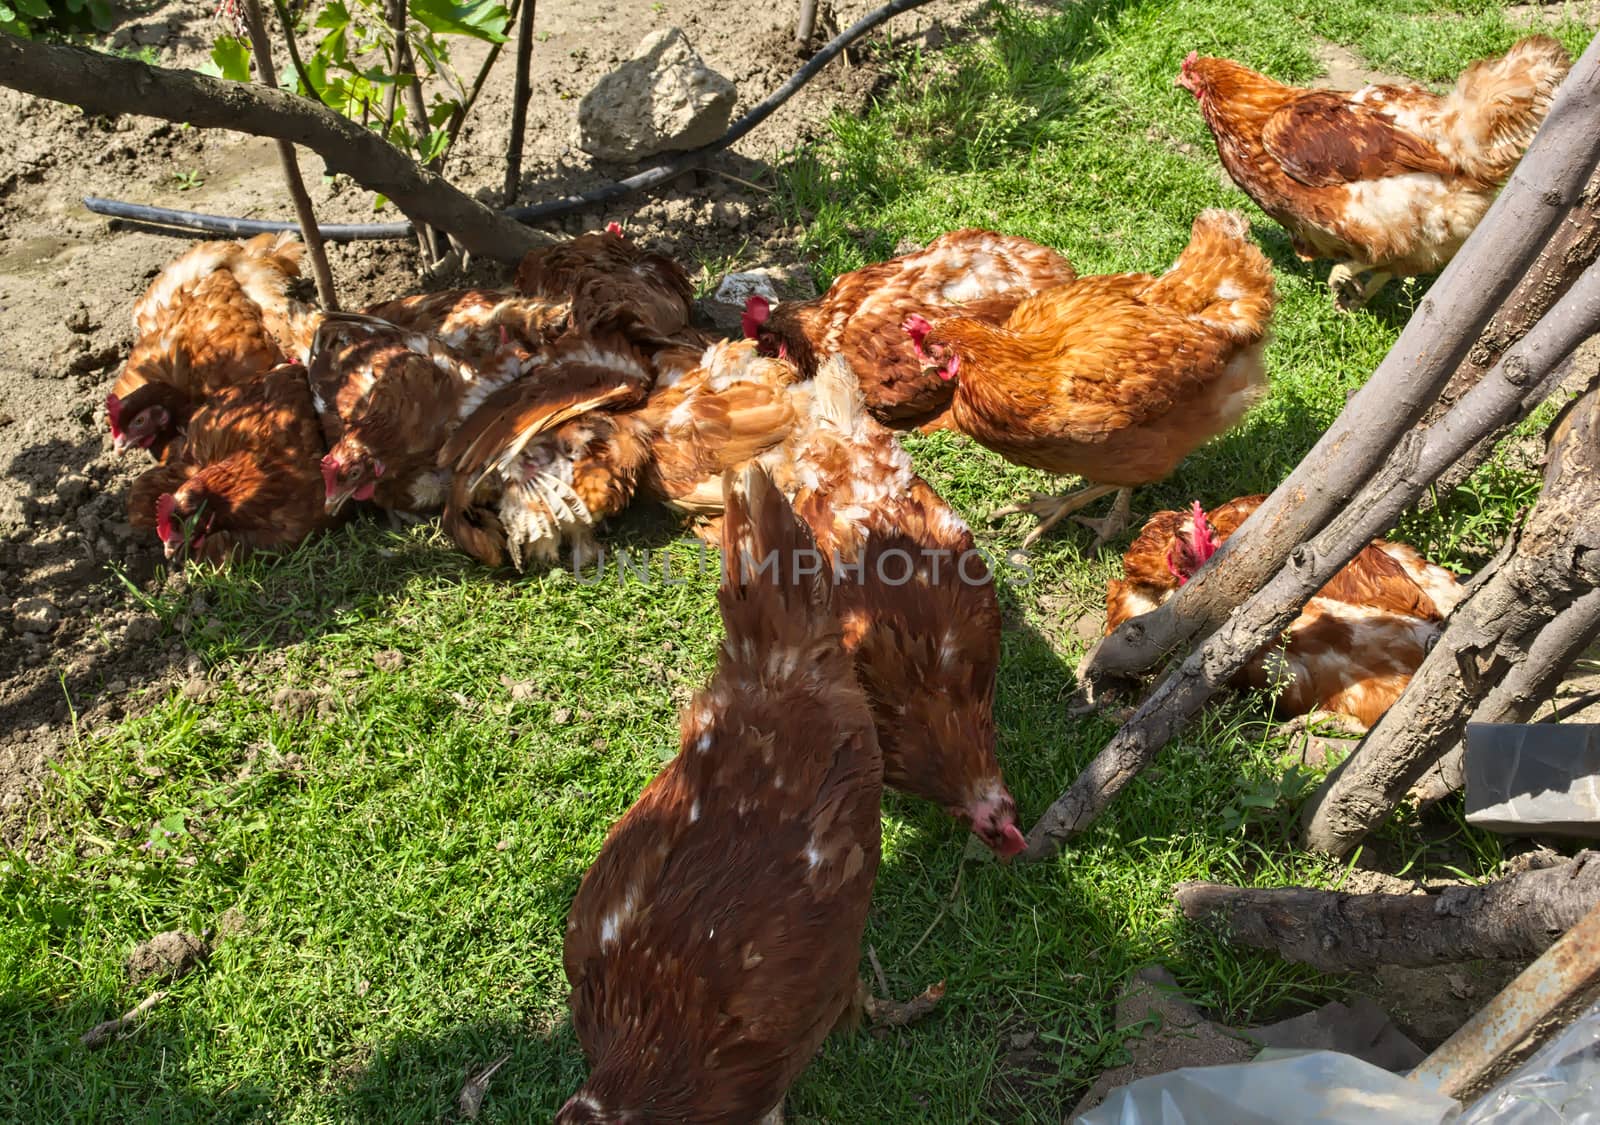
(1221, 278)
(776, 594)
(836, 395)
(1499, 103)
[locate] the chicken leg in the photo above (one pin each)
(1352, 288)
(1051, 510)
(1115, 522)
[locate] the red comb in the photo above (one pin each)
(114, 414)
(614, 228)
(1205, 537)
(330, 473)
(164, 508)
(756, 311)
(1012, 841)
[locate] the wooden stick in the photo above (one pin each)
(102, 1033)
(262, 46)
(519, 103)
(1513, 918)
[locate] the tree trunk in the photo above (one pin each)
(1518, 697)
(1500, 252)
(1515, 386)
(1516, 918)
(104, 84)
(519, 103)
(309, 231)
(1548, 566)
(1572, 249)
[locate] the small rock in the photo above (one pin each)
(389, 660)
(196, 688)
(79, 320)
(664, 99)
(35, 615)
(142, 630)
(166, 956)
(503, 846)
(73, 487)
(561, 716)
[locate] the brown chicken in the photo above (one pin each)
(221, 313)
(546, 458)
(975, 273)
(476, 324)
(715, 941)
(1353, 648)
(613, 287)
(1115, 378)
(924, 622)
(389, 397)
(247, 477)
(1387, 180)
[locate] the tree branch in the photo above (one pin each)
(103, 84)
(1503, 248)
(1555, 561)
(1512, 389)
(309, 231)
(519, 103)
(1512, 919)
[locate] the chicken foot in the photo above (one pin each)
(1353, 288)
(1051, 510)
(1115, 522)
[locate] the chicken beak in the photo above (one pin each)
(334, 501)
(120, 443)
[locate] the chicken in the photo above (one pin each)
(475, 324)
(389, 398)
(1353, 648)
(921, 619)
(714, 943)
(613, 287)
(544, 459)
(1115, 378)
(1387, 180)
(975, 273)
(221, 313)
(247, 477)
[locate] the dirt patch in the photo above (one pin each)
(75, 638)
(166, 956)
(1347, 70)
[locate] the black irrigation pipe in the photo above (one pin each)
(183, 223)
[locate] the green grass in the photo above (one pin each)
(391, 847)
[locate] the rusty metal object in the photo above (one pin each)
(1564, 972)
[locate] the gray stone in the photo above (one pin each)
(35, 615)
(663, 99)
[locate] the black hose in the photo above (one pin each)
(189, 222)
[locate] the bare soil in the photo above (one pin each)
(75, 638)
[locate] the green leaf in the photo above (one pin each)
(480, 19)
(38, 9)
(441, 112)
(230, 59)
(334, 17)
(434, 145)
(379, 202)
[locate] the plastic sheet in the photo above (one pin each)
(1324, 1087)
(1558, 1085)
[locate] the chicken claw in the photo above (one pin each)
(1051, 510)
(1115, 522)
(1351, 290)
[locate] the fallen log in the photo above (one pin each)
(1512, 389)
(1503, 249)
(1547, 566)
(106, 84)
(1515, 918)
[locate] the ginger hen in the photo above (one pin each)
(247, 479)
(922, 618)
(221, 313)
(1354, 647)
(975, 273)
(714, 943)
(1114, 378)
(1386, 180)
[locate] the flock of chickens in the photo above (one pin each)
(703, 977)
